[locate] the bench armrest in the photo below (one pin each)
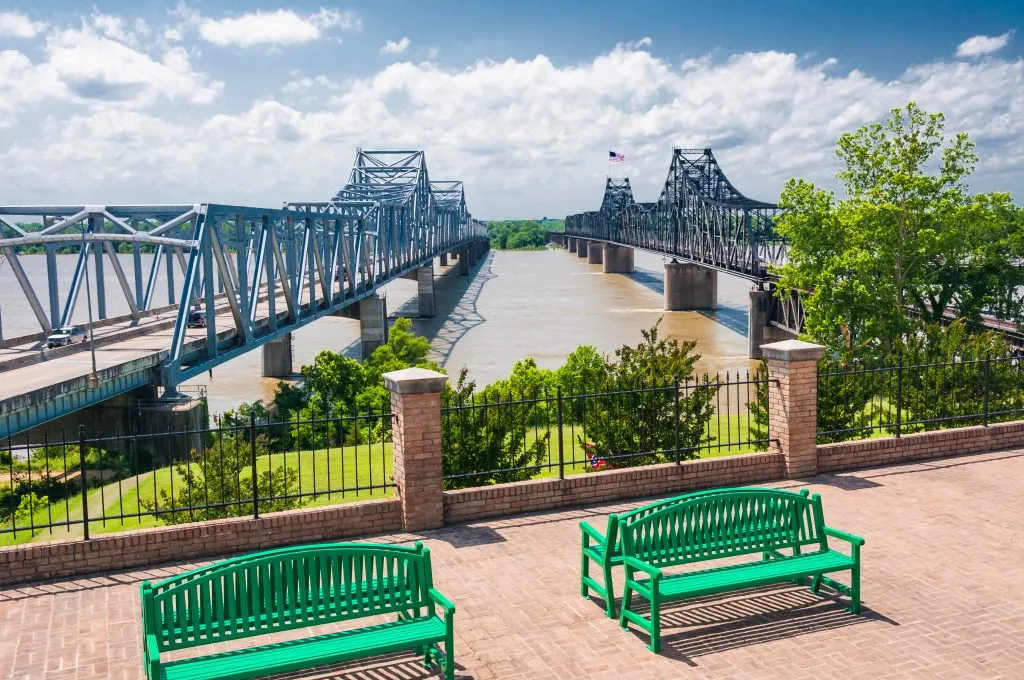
(640, 565)
(441, 600)
(842, 535)
(591, 532)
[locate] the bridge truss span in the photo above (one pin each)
(264, 271)
(699, 217)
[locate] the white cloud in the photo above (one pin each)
(19, 26)
(99, 65)
(979, 45)
(279, 27)
(528, 137)
(392, 47)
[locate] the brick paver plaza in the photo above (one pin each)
(943, 589)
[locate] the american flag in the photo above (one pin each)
(615, 157)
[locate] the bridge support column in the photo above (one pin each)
(690, 286)
(572, 244)
(617, 259)
(582, 247)
(443, 260)
(373, 323)
(277, 357)
(425, 291)
(463, 256)
(760, 330)
(595, 253)
(471, 253)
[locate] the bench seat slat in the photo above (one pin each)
(751, 574)
(255, 662)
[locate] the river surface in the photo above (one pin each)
(515, 304)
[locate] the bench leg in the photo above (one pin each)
(609, 592)
(816, 584)
(855, 589)
(655, 645)
(584, 575)
(627, 601)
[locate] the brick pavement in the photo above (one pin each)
(942, 587)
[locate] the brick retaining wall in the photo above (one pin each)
(143, 547)
(597, 487)
(918, 446)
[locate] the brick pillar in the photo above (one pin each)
(793, 403)
(416, 437)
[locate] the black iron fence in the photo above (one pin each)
(85, 483)
(865, 400)
(508, 435)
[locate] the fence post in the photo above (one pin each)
(84, 482)
(899, 395)
(561, 460)
(252, 458)
(793, 403)
(416, 445)
(677, 419)
(988, 362)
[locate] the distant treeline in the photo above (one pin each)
(522, 234)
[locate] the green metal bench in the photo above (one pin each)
(729, 523)
(298, 587)
(606, 550)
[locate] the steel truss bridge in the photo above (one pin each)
(700, 217)
(274, 269)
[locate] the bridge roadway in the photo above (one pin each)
(39, 385)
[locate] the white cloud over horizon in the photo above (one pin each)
(528, 137)
(392, 47)
(15, 25)
(278, 27)
(981, 45)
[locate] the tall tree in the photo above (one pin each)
(907, 243)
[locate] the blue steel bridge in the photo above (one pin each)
(258, 273)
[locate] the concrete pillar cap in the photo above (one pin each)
(793, 350)
(415, 381)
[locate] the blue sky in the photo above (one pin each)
(260, 102)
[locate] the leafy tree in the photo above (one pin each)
(908, 242)
(519, 234)
(217, 483)
(487, 445)
(639, 417)
(30, 504)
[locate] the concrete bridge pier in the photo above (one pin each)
(424, 278)
(690, 286)
(463, 256)
(760, 331)
(471, 254)
(595, 253)
(617, 259)
(443, 260)
(278, 357)
(582, 247)
(572, 244)
(373, 323)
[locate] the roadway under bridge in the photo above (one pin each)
(706, 226)
(255, 274)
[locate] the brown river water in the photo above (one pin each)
(515, 304)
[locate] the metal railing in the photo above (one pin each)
(864, 400)
(502, 436)
(49, 489)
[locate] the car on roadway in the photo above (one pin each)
(67, 335)
(196, 318)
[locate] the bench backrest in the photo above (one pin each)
(724, 524)
(615, 521)
(284, 589)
